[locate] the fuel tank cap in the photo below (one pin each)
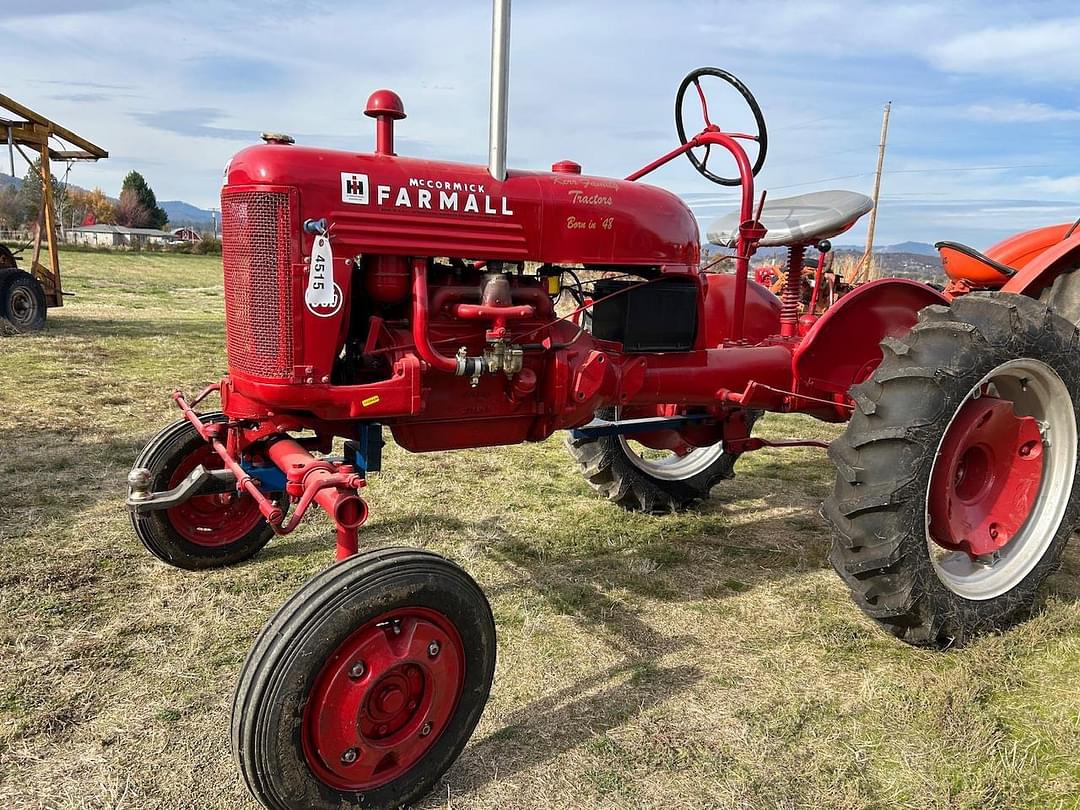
(566, 167)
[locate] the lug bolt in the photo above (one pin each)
(433, 649)
(425, 730)
(350, 756)
(396, 626)
(357, 670)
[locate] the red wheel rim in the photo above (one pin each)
(986, 478)
(214, 520)
(383, 698)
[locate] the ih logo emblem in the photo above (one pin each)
(354, 188)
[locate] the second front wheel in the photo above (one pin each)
(366, 685)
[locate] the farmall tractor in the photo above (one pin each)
(367, 292)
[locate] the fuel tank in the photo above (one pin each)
(386, 204)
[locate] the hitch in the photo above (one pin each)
(141, 499)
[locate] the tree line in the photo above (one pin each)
(136, 207)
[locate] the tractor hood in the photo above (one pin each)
(384, 204)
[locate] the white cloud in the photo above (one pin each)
(1067, 184)
(1010, 112)
(1043, 51)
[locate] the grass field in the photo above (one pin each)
(708, 659)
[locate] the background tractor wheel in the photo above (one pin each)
(22, 301)
(956, 487)
(365, 686)
(206, 531)
(640, 480)
(1064, 295)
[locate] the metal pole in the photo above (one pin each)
(500, 76)
(11, 150)
(865, 268)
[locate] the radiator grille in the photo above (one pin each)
(256, 227)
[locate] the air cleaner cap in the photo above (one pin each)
(385, 102)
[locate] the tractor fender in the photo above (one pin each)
(1018, 250)
(1040, 271)
(842, 349)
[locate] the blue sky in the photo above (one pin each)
(982, 141)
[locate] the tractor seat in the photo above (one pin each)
(798, 220)
(963, 263)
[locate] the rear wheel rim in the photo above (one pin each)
(383, 699)
(1001, 480)
(669, 465)
(215, 520)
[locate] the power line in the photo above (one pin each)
(917, 171)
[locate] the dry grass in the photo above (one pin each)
(699, 660)
(849, 265)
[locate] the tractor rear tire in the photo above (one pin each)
(613, 469)
(912, 564)
(199, 533)
(22, 302)
(366, 684)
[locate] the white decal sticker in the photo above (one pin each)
(354, 188)
(333, 309)
(322, 293)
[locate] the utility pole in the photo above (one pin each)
(864, 265)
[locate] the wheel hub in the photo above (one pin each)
(20, 305)
(216, 519)
(392, 702)
(986, 478)
(383, 699)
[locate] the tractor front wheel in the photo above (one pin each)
(957, 486)
(208, 530)
(366, 684)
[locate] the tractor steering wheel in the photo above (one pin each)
(761, 138)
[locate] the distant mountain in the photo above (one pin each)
(907, 248)
(7, 180)
(182, 213)
(919, 248)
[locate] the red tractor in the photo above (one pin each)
(366, 292)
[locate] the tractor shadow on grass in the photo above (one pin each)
(584, 710)
(604, 594)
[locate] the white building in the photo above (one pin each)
(102, 235)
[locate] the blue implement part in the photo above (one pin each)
(270, 478)
(602, 427)
(365, 452)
